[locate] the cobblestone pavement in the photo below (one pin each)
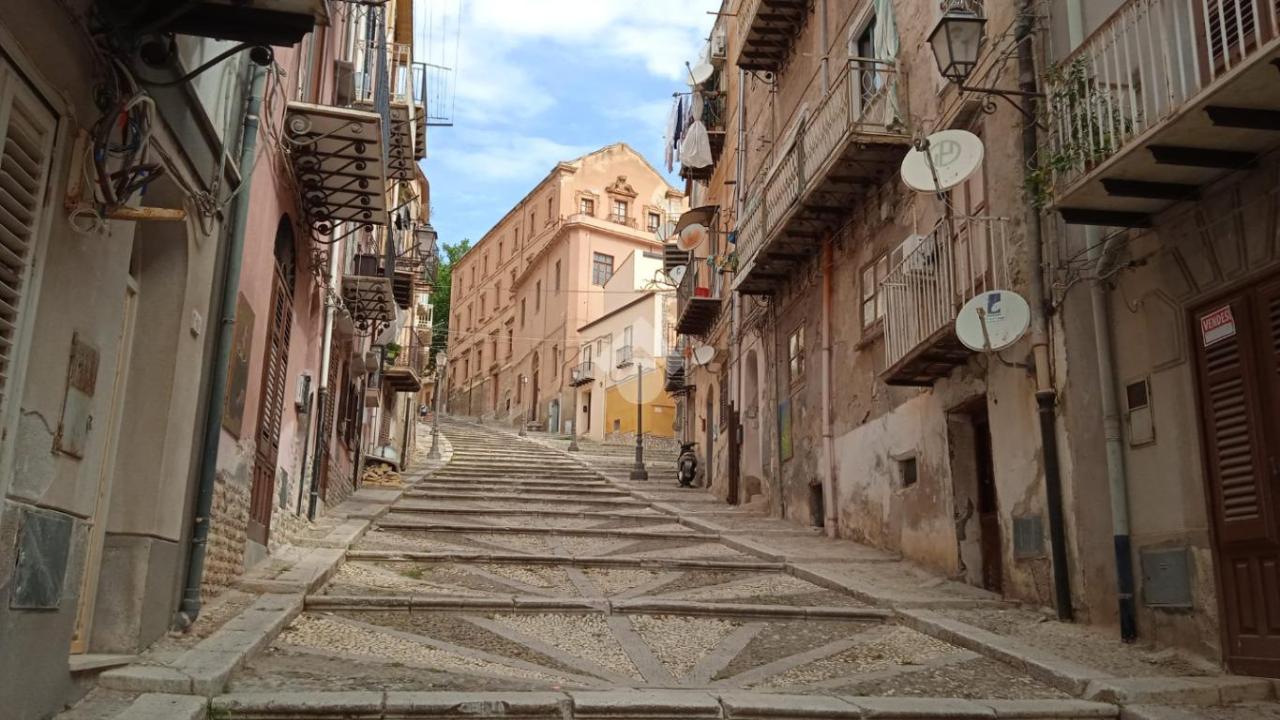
(522, 581)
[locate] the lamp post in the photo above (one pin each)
(441, 360)
(524, 421)
(957, 41)
(638, 472)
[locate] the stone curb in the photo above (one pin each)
(631, 704)
(1222, 690)
(570, 560)
(1069, 677)
(206, 668)
(541, 604)
(158, 706)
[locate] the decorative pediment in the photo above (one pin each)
(621, 187)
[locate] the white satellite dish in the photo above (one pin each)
(701, 72)
(952, 156)
(692, 236)
(703, 354)
(993, 320)
(677, 273)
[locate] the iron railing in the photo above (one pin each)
(937, 274)
(625, 356)
(584, 372)
(700, 281)
(622, 219)
(1142, 66)
(867, 98)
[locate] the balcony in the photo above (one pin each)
(583, 374)
(767, 30)
(1164, 98)
(698, 299)
(922, 293)
(621, 219)
(404, 372)
(675, 379)
(625, 356)
(404, 110)
(856, 136)
(367, 293)
(713, 118)
(336, 158)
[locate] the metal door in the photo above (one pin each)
(270, 410)
(1237, 346)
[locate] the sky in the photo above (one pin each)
(540, 81)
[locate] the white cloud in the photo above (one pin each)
(486, 156)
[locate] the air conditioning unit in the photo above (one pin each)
(344, 83)
(719, 47)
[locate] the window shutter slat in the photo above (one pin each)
(27, 130)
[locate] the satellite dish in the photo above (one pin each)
(703, 354)
(952, 156)
(993, 320)
(677, 273)
(701, 72)
(692, 236)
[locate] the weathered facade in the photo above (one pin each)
(521, 293)
(838, 394)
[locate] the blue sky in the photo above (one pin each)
(539, 81)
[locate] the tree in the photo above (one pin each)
(440, 297)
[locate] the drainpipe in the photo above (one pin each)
(1046, 395)
(1100, 254)
(322, 394)
(825, 37)
(828, 435)
(190, 608)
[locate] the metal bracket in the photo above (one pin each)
(989, 105)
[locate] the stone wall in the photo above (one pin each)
(229, 521)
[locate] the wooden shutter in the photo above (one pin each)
(1233, 425)
(27, 131)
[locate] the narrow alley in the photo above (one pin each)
(516, 579)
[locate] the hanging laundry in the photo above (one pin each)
(695, 151)
(680, 116)
(669, 137)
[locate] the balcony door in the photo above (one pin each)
(1237, 347)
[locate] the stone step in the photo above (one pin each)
(402, 525)
(597, 561)
(620, 500)
(526, 513)
(519, 490)
(630, 704)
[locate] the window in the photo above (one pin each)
(513, 280)
(551, 212)
(587, 206)
(522, 315)
(511, 341)
(473, 277)
(515, 239)
(520, 389)
(795, 355)
(501, 247)
(537, 296)
(533, 222)
(586, 353)
(654, 221)
(479, 358)
(557, 277)
(486, 265)
(626, 336)
(873, 274)
(555, 361)
(497, 295)
(619, 209)
(483, 302)
(601, 268)
(862, 45)
(908, 471)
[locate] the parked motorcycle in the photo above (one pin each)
(687, 464)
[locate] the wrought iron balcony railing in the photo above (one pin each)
(937, 275)
(622, 219)
(625, 356)
(863, 119)
(1150, 62)
(698, 298)
(583, 373)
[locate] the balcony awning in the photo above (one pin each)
(337, 160)
(700, 216)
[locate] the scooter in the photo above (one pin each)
(687, 464)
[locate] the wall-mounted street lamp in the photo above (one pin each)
(441, 361)
(957, 41)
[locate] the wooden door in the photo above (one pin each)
(270, 410)
(991, 543)
(102, 501)
(327, 414)
(1237, 345)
